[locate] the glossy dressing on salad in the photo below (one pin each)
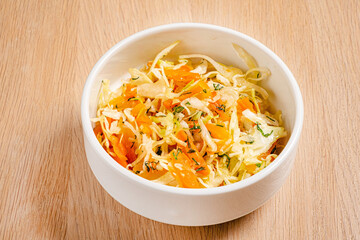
(193, 123)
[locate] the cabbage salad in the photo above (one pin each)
(192, 123)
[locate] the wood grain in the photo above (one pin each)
(47, 190)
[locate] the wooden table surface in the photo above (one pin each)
(47, 49)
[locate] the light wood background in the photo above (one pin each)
(47, 49)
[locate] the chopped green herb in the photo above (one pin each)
(187, 103)
(150, 165)
(191, 151)
(135, 78)
(224, 155)
(177, 154)
(258, 75)
(218, 86)
(137, 172)
(262, 132)
(250, 142)
(195, 127)
(221, 107)
(196, 163)
(219, 125)
(227, 159)
(178, 109)
(132, 145)
(204, 90)
(133, 99)
(185, 93)
(258, 164)
(116, 106)
(147, 166)
(200, 169)
(270, 118)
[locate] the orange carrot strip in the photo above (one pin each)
(137, 109)
(97, 129)
(181, 134)
(201, 89)
(197, 161)
(217, 131)
(168, 104)
(181, 76)
(183, 173)
(243, 104)
(217, 107)
(119, 150)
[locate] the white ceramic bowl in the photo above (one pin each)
(179, 206)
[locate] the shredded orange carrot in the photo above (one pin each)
(181, 76)
(119, 150)
(198, 163)
(243, 104)
(219, 108)
(218, 131)
(181, 170)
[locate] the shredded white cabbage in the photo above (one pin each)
(183, 124)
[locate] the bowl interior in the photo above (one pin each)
(216, 42)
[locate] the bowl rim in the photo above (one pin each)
(289, 148)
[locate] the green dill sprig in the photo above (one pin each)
(196, 163)
(218, 86)
(177, 153)
(195, 127)
(262, 132)
(221, 107)
(271, 119)
(150, 165)
(185, 93)
(133, 99)
(178, 109)
(200, 169)
(227, 159)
